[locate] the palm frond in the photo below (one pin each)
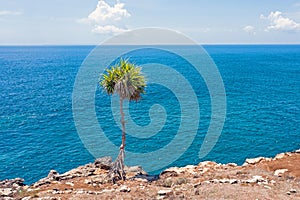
(125, 79)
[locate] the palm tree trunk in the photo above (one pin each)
(117, 171)
(123, 124)
(121, 156)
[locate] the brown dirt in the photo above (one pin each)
(203, 181)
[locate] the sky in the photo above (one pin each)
(72, 22)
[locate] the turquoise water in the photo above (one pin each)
(37, 130)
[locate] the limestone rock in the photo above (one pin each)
(179, 170)
(70, 184)
(6, 192)
(189, 169)
(134, 170)
(176, 182)
(52, 175)
(146, 177)
(280, 172)
(224, 180)
(293, 191)
(12, 183)
(41, 182)
(165, 192)
(253, 161)
(104, 163)
(7, 198)
(267, 187)
(107, 191)
(279, 156)
(232, 164)
(207, 164)
(26, 198)
(141, 180)
(80, 192)
(124, 188)
(256, 179)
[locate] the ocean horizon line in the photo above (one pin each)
(180, 44)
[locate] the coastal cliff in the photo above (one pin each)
(257, 178)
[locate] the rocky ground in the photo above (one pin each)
(258, 178)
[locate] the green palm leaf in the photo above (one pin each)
(125, 79)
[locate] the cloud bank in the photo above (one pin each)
(8, 12)
(108, 29)
(278, 22)
(107, 19)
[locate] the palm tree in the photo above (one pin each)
(128, 82)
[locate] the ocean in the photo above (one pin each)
(38, 132)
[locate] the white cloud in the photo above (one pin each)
(106, 18)
(108, 29)
(105, 12)
(278, 22)
(249, 29)
(8, 12)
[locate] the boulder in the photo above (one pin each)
(104, 163)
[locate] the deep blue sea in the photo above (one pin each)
(38, 132)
